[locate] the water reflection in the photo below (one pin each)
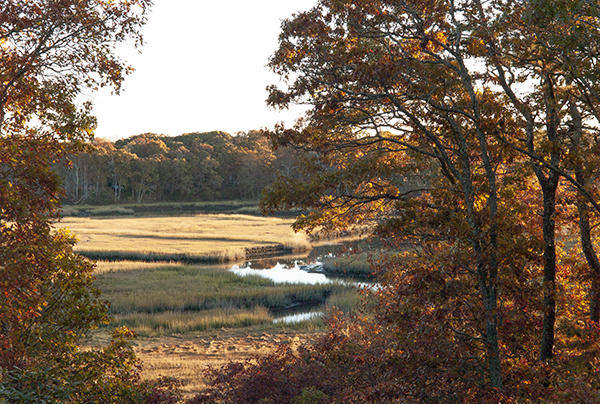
(308, 274)
(304, 274)
(282, 273)
(296, 318)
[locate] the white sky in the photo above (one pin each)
(203, 68)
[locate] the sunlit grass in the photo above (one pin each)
(196, 288)
(195, 238)
(178, 322)
(117, 266)
(353, 265)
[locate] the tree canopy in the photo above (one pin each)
(50, 52)
(492, 105)
(192, 166)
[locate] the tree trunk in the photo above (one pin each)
(549, 286)
(76, 182)
(585, 230)
(85, 190)
(595, 297)
(549, 185)
(491, 336)
(590, 256)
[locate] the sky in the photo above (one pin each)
(202, 68)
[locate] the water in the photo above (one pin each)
(296, 318)
(295, 274)
(304, 269)
(283, 273)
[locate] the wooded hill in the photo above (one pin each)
(156, 168)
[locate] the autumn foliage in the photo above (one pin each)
(465, 134)
(50, 51)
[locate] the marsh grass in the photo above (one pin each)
(315, 324)
(232, 206)
(345, 300)
(163, 299)
(178, 322)
(103, 267)
(202, 238)
(353, 265)
(190, 288)
(215, 257)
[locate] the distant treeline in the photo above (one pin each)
(155, 168)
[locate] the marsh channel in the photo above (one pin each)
(303, 270)
(173, 298)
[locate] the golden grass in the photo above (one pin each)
(180, 322)
(186, 358)
(217, 235)
(103, 267)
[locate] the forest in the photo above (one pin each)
(190, 167)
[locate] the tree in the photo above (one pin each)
(51, 50)
(388, 90)
(474, 97)
(534, 43)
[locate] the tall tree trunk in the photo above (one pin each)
(76, 182)
(549, 184)
(585, 235)
(549, 285)
(595, 297)
(585, 230)
(491, 337)
(85, 190)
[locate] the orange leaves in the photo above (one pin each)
(441, 37)
(436, 41)
(476, 46)
(47, 53)
(292, 55)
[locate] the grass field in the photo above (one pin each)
(181, 322)
(186, 359)
(195, 238)
(355, 266)
(118, 266)
(189, 316)
(156, 300)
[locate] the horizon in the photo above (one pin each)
(194, 132)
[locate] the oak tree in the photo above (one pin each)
(429, 118)
(51, 51)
